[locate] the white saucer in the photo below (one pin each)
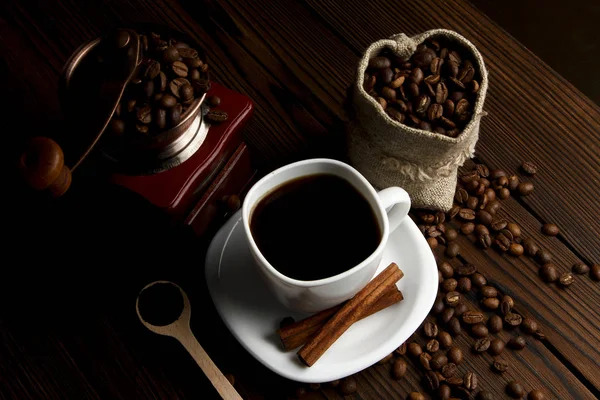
(252, 314)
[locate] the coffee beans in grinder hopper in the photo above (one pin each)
(435, 90)
(171, 76)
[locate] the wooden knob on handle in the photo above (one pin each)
(42, 167)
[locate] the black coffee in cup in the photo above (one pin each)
(315, 227)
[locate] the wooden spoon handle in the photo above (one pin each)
(42, 167)
(216, 377)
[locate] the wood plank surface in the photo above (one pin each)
(295, 59)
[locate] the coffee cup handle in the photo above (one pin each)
(397, 203)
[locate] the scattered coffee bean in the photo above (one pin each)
(529, 168)
(500, 366)
(216, 116)
(525, 188)
(438, 305)
(451, 234)
(549, 272)
(464, 284)
(566, 279)
(399, 368)
(454, 327)
(401, 350)
(452, 299)
(447, 270)
(495, 324)
(432, 242)
(460, 309)
(415, 396)
(580, 268)
(485, 395)
(489, 291)
(536, 394)
(516, 249)
(484, 217)
(214, 101)
(430, 329)
(543, 256)
(445, 339)
(595, 272)
(414, 349)
(447, 314)
(496, 346)
(432, 346)
(513, 319)
(517, 343)
(438, 361)
(433, 381)
(550, 229)
(478, 280)
(449, 285)
(515, 390)
(452, 250)
(444, 392)
(348, 385)
(472, 317)
(466, 269)
(467, 228)
(513, 182)
(470, 381)
(449, 370)
(479, 330)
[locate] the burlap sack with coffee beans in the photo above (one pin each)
(390, 153)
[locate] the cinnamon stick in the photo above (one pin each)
(300, 332)
(348, 314)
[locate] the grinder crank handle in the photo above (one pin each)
(42, 167)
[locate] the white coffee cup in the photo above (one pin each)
(317, 295)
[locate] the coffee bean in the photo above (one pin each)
(485, 240)
(496, 347)
(434, 111)
(455, 355)
(515, 390)
(161, 82)
(472, 317)
(447, 314)
(385, 360)
(513, 319)
(467, 214)
(452, 250)
(449, 370)
(517, 343)
(449, 285)
(454, 328)
(401, 350)
(505, 307)
(168, 101)
(217, 116)
(481, 345)
(580, 268)
(426, 126)
(144, 115)
(492, 207)
(484, 217)
(176, 84)
(550, 229)
(379, 63)
(536, 394)
(513, 182)
(445, 340)
(495, 324)
(142, 128)
(516, 250)
(447, 270)
(170, 54)
(432, 380)
(470, 381)
(467, 228)
(455, 381)
(566, 279)
(438, 305)
(460, 309)
(479, 330)
(444, 392)
(117, 126)
(539, 335)
(148, 88)
(549, 273)
(348, 385)
(174, 114)
(415, 396)
(414, 349)
(430, 329)
(529, 325)
(452, 299)
(160, 117)
(186, 92)
(399, 368)
(543, 256)
(478, 280)
(385, 76)
(529, 168)
(451, 234)
(485, 395)
(180, 69)
(481, 229)
(432, 346)
(466, 269)
(152, 69)
(214, 101)
(503, 193)
(438, 361)
(396, 116)
(489, 291)
(595, 272)
(530, 247)
(500, 366)
(203, 85)
(525, 188)
(416, 76)
(491, 303)
(464, 284)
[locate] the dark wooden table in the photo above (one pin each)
(67, 324)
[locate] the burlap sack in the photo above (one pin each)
(389, 153)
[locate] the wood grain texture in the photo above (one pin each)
(294, 59)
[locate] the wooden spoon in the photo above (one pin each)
(180, 330)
